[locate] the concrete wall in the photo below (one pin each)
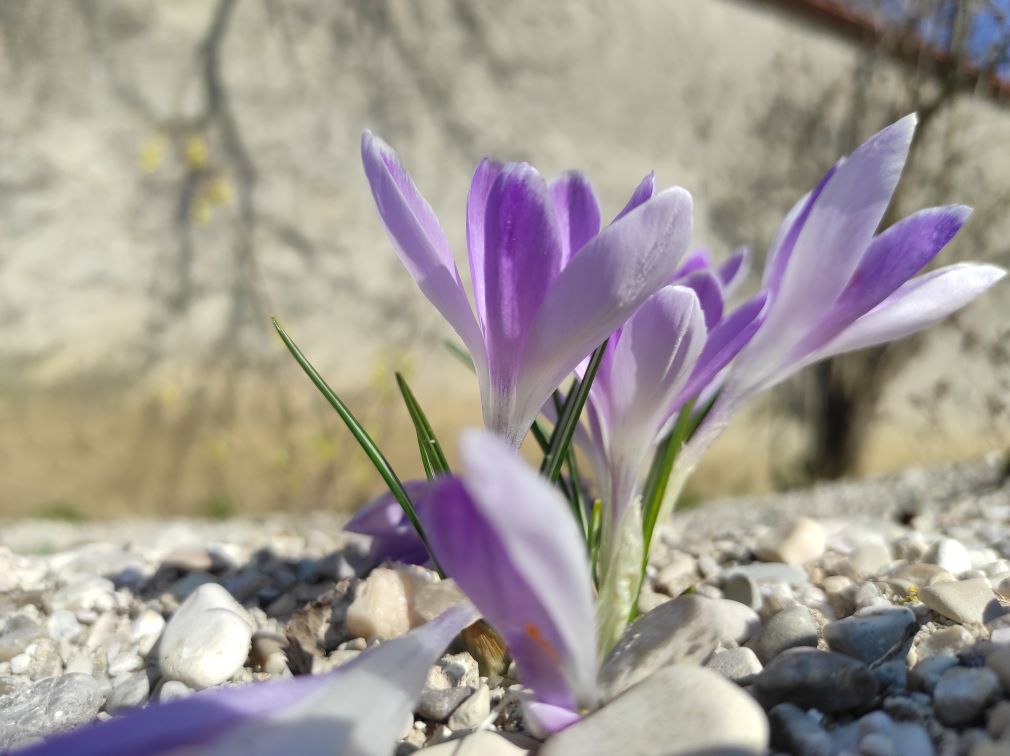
(164, 189)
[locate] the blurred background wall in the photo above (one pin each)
(173, 173)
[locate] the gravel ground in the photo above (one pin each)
(864, 618)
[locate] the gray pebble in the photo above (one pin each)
(961, 694)
(821, 680)
(869, 633)
(17, 634)
(438, 704)
(56, 704)
(790, 628)
(795, 731)
(676, 632)
(735, 663)
(128, 691)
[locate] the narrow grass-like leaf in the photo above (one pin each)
(575, 496)
(460, 353)
(431, 449)
(541, 438)
(659, 474)
(595, 537)
(365, 441)
(561, 439)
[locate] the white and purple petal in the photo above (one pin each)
(576, 210)
(356, 710)
(602, 286)
(509, 540)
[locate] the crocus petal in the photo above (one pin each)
(420, 241)
(393, 536)
(643, 193)
(358, 709)
(840, 224)
(509, 540)
(892, 258)
(733, 272)
(543, 719)
(920, 303)
(476, 207)
(576, 210)
(652, 362)
(601, 287)
(695, 260)
(709, 291)
(522, 258)
(723, 343)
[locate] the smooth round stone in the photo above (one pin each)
(962, 694)
(18, 633)
(797, 542)
(735, 623)
(917, 575)
(964, 601)
(438, 704)
(128, 691)
(869, 633)
(677, 575)
(145, 630)
(62, 625)
(821, 680)
(743, 589)
(677, 632)
(50, 706)
(869, 558)
(1003, 588)
(171, 690)
(734, 663)
(999, 662)
(794, 731)
(928, 672)
(207, 640)
(946, 641)
(839, 592)
(997, 719)
(770, 572)
(472, 711)
(790, 628)
(711, 715)
(382, 608)
(948, 554)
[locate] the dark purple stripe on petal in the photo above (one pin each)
(643, 192)
(892, 258)
(576, 210)
(522, 258)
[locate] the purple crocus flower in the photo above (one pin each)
(665, 355)
(548, 285)
(509, 540)
(836, 286)
(356, 710)
(393, 535)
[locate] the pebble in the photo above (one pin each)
(770, 572)
(928, 672)
(62, 625)
(170, 690)
(735, 663)
(128, 691)
(145, 630)
(962, 694)
(472, 711)
(795, 731)
(677, 632)
(712, 715)
(998, 719)
(679, 574)
(822, 680)
(790, 628)
(797, 542)
(56, 704)
(743, 589)
(870, 558)
(999, 662)
(964, 601)
(436, 704)
(949, 554)
(18, 633)
(207, 640)
(382, 608)
(869, 633)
